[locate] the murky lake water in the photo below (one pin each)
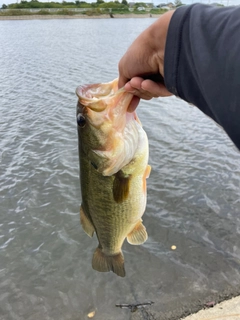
(193, 190)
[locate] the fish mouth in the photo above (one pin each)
(97, 90)
(113, 130)
(90, 95)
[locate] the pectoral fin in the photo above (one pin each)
(121, 186)
(138, 235)
(86, 224)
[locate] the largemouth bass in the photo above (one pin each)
(113, 154)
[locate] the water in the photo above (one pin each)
(193, 190)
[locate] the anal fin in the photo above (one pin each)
(138, 235)
(104, 263)
(148, 171)
(86, 224)
(145, 176)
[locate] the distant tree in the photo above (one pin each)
(113, 5)
(83, 4)
(125, 2)
(100, 1)
(77, 2)
(178, 3)
(140, 4)
(4, 6)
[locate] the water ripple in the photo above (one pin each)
(193, 189)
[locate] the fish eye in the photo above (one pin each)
(81, 121)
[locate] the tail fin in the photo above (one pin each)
(104, 263)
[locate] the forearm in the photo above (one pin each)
(202, 62)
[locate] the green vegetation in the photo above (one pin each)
(158, 11)
(78, 7)
(178, 3)
(16, 13)
(35, 4)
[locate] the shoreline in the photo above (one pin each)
(78, 16)
(228, 309)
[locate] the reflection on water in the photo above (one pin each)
(193, 190)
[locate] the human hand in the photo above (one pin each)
(144, 58)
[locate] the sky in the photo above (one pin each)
(156, 2)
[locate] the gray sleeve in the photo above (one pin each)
(202, 62)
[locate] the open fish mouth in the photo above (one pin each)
(116, 131)
(88, 94)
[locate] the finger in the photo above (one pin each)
(142, 94)
(129, 88)
(133, 104)
(146, 89)
(122, 80)
(133, 85)
(136, 83)
(156, 89)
